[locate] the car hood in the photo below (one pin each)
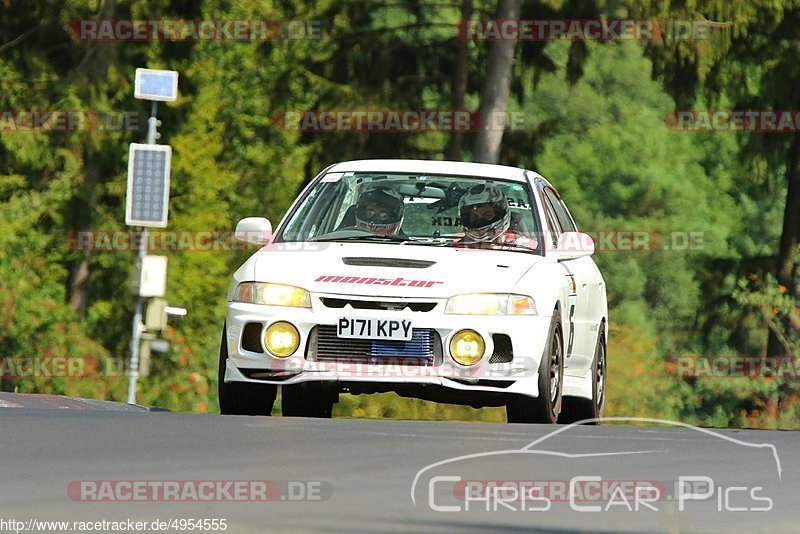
(391, 270)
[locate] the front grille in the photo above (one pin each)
(377, 305)
(424, 348)
(388, 262)
(251, 337)
(503, 352)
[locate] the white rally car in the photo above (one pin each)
(380, 278)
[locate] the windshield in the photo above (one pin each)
(416, 209)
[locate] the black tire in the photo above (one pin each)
(578, 409)
(242, 398)
(543, 409)
(307, 400)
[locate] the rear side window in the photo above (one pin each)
(564, 220)
(552, 222)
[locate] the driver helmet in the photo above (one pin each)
(484, 212)
(380, 210)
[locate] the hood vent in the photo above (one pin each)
(388, 262)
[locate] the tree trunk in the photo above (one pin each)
(786, 268)
(81, 219)
(79, 276)
(94, 64)
(494, 96)
(460, 79)
(94, 70)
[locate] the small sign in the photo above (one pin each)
(158, 85)
(150, 276)
(332, 177)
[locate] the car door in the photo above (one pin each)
(582, 282)
(570, 296)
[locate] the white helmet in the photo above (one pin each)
(380, 210)
(484, 212)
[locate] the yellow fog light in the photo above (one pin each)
(466, 347)
(282, 339)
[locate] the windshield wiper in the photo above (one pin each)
(428, 241)
(365, 237)
(498, 245)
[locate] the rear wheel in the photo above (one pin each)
(577, 409)
(544, 408)
(242, 398)
(307, 400)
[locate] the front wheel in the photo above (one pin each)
(242, 398)
(544, 408)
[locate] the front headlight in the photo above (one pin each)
(272, 294)
(490, 304)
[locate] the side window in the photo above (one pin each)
(552, 221)
(564, 220)
(563, 207)
(317, 213)
(339, 211)
(522, 215)
(294, 230)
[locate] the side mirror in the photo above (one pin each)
(256, 230)
(572, 245)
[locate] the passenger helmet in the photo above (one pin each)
(484, 212)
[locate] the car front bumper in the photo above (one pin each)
(528, 336)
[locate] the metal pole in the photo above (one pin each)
(137, 327)
(152, 124)
(136, 331)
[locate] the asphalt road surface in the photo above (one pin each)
(59, 457)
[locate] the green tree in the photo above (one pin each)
(750, 61)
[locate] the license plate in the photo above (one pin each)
(367, 328)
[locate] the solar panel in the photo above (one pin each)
(148, 185)
(159, 85)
